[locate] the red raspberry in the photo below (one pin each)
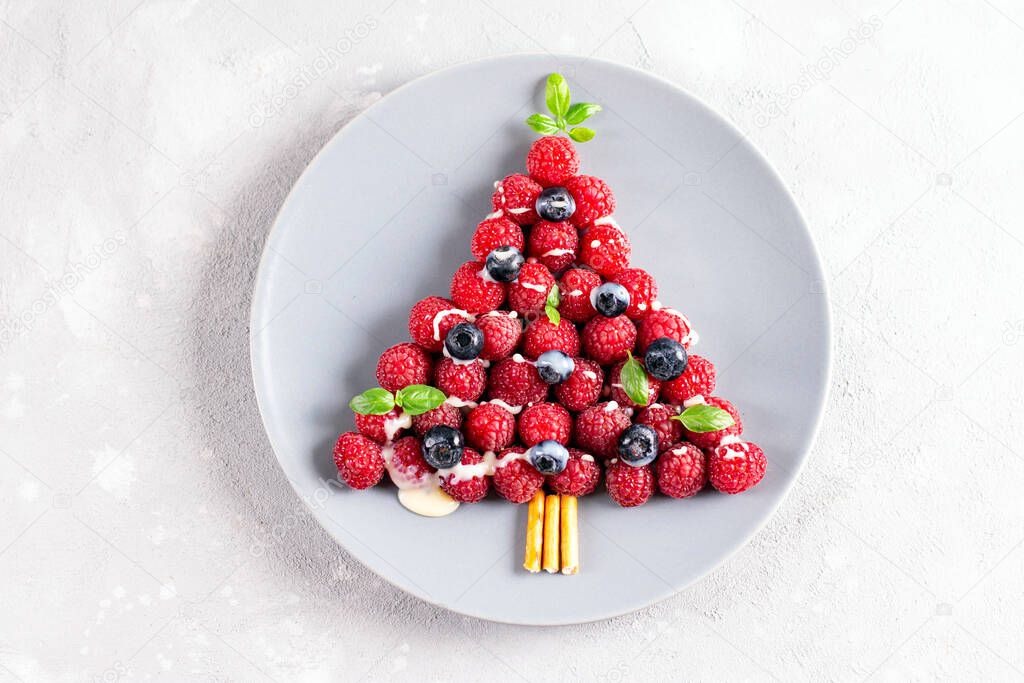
(664, 322)
(462, 380)
(358, 460)
(516, 383)
(606, 249)
(554, 244)
(618, 393)
(598, 429)
(659, 417)
(735, 467)
(642, 288)
(516, 480)
(516, 197)
(594, 199)
(543, 421)
(401, 365)
(682, 471)
(574, 289)
(543, 335)
(528, 292)
(580, 476)
(422, 319)
(467, 484)
(502, 331)
(407, 464)
(583, 387)
(551, 160)
(489, 427)
(472, 292)
(444, 414)
(708, 440)
(492, 233)
(697, 380)
(372, 426)
(607, 340)
(629, 486)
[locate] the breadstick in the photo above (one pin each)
(534, 533)
(570, 536)
(551, 514)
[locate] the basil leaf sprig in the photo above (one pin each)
(704, 418)
(551, 305)
(414, 399)
(634, 381)
(565, 117)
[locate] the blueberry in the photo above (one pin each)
(555, 204)
(503, 264)
(665, 358)
(554, 367)
(638, 445)
(610, 299)
(549, 457)
(442, 446)
(464, 341)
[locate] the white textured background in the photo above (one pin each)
(146, 529)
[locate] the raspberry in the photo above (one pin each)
(358, 460)
(461, 380)
(583, 387)
(543, 421)
(467, 485)
(735, 467)
(502, 331)
(426, 313)
(515, 479)
(618, 393)
(697, 380)
(516, 383)
(372, 426)
(407, 464)
(516, 196)
(594, 199)
(606, 249)
(528, 292)
(580, 476)
(664, 322)
(658, 416)
(681, 471)
(574, 289)
(401, 365)
(708, 440)
(492, 233)
(607, 340)
(489, 427)
(551, 160)
(629, 486)
(543, 335)
(642, 288)
(472, 292)
(554, 244)
(444, 414)
(598, 429)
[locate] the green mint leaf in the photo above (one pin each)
(417, 399)
(556, 95)
(374, 401)
(634, 380)
(544, 125)
(553, 315)
(581, 134)
(705, 418)
(580, 112)
(554, 297)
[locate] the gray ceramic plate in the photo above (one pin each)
(383, 216)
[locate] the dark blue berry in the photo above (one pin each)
(549, 457)
(503, 263)
(665, 359)
(610, 299)
(442, 446)
(464, 341)
(555, 204)
(554, 367)
(638, 445)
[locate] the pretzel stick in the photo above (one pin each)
(551, 510)
(570, 536)
(534, 533)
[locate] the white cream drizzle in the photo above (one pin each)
(558, 252)
(606, 220)
(697, 400)
(497, 214)
(440, 315)
(531, 285)
(515, 410)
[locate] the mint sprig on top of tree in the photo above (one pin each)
(414, 399)
(565, 116)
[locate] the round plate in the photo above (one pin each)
(383, 217)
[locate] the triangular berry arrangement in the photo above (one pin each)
(551, 361)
